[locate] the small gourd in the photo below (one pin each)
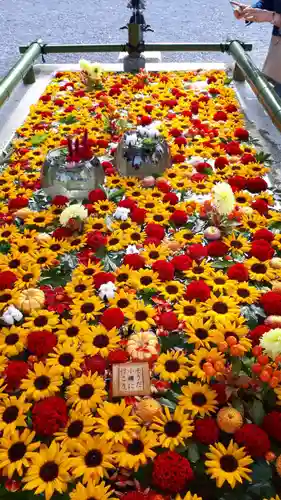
(30, 300)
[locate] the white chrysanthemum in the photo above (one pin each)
(271, 342)
(107, 290)
(76, 211)
(121, 213)
(224, 199)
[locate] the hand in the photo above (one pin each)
(257, 15)
(239, 10)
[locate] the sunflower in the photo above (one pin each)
(198, 330)
(71, 329)
(79, 426)
(115, 422)
(13, 412)
(186, 309)
(221, 307)
(137, 450)
(79, 287)
(25, 245)
(9, 296)
(58, 247)
(151, 253)
(88, 270)
(122, 300)
(172, 290)
(8, 232)
(39, 219)
(221, 284)
(100, 341)
(158, 216)
(16, 450)
(67, 358)
(197, 359)
(204, 187)
(114, 182)
(189, 496)
(95, 224)
(93, 460)
(236, 328)
(144, 278)
(87, 307)
(43, 258)
(140, 316)
(228, 464)
(116, 241)
(92, 491)
(243, 198)
(49, 471)
(104, 207)
(78, 241)
(12, 341)
(42, 382)
(245, 294)
(28, 277)
(253, 222)
(134, 236)
(172, 430)
(13, 261)
(86, 392)
(260, 271)
(198, 399)
(41, 320)
(237, 243)
(172, 366)
(187, 237)
(123, 274)
(199, 271)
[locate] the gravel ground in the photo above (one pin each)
(98, 21)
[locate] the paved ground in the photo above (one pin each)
(97, 21)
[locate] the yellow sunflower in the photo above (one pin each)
(237, 243)
(79, 286)
(144, 278)
(231, 328)
(39, 219)
(99, 340)
(253, 222)
(88, 270)
(172, 366)
(87, 307)
(13, 261)
(172, 430)
(28, 277)
(197, 359)
(134, 236)
(229, 464)
(93, 460)
(67, 358)
(199, 271)
(78, 241)
(71, 329)
(91, 490)
(243, 198)
(115, 422)
(140, 316)
(221, 284)
(198, 330)
(8, 296)
(151, 253)
(95, 224)
(25, 246)
(13, 412)
(49, 471)
(198, 399)
(104, 207)
(117, 241)
(16, 451)
(188, 309)
(137, 450)
(42, 382)
(41, 320)
(221, 307)
(86, 392)
(188, 496)
(172, 290)
(245, 294)
(57, 247)
(43, 258)
(158, 216)
(123, 274)
(187, 237)
(260, 271)
(8, 232)
(122, 300)
(12, 341)
(79, 426)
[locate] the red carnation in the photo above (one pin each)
(97, 195)
(14, 372)
(262, 250)
(112, 318)
(221, 393)
(238, 272)
(202, 167)
(49, 416)
(163, 186)
(146, 120)
(181, 262)
(198, 177)
(180, 141)
(254, 439)
(96, 240)
(198, 290)
(206, 430)
(164, 269)
(40, 343)
(221, 162)
(256, 184)
(237, 182)
(138, 215)
(257, 333)
(155, 231)
(168, 320)
(95, 364)
(60, 200)
(179, 217)
(263, 234)
(272, 425)
(17, 203)
(232, 148)
(220, 116)
(248, 158)
(260, 206)
(197, 251)
(62, 233)
(231, 108)
(102, 278)
(134, 260)
(271, 302)
(7, 280)
(134, 495)
(242, 134)
(118, 356)
(171, 198)
(217, 249)
(171, 471)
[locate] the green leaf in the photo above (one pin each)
(236, 366)
(68, 120)
(257, 412)
(4, 247)
(38, 139)
(143, 475)
(166, 402)
(170, 342)
(262, 471)
(222, 264)
(116, 195)
(237, 404)
(101, 252)
(193, 453)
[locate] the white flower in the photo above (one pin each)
(11, 315)
(223, 198)
(131, 249)
(121, 213)
(153, 132)
(271, 342)
(107, 290)
(76, 211)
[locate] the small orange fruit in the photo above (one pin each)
(229, 419)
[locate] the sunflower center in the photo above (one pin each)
(122, 277)
(124, 225)
(172, 289)
(135, 236)
(146, 280)
(154, 255)
(241, 199)
(17, 451)
(80, 288)
(236, 244)
(172, 428)
(41, 260)
(88, 307)
(40, 321)
(39, 219)
(252, 224)
(114, 241)
(172, 365)
(259, 268)
(93, 458)
(189, 311)
(228, 463)
(199, 399)
(10, 414)
(75, 242)
(135, 447)
(72, 331)
(55, 247)
(220, 308)
(27, 277)
(150, 205)
(14, 263)
(6, 234)
(49, 471)
(101, 341)
(23, 248)
(242, 292)
(12, 339)
(66, 359)
(198, 270)
(158, 217)
(219, 281)
(75, 429)
(141, 316)
(89, 272)
(42, 382)
(86, 391)
(122, 303)
(116, 423)
(187, 236)
(201, 333)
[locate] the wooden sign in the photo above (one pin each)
(130, 379)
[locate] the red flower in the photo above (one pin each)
(96, 240)
(17, 203)
(155, 231)
(198, 177)
(102, 278)
(171, 471)
(256, 184)
(112, 318)
(181, 262)
(238, 272)
(14, 372)
(198, 290)
(40, 343)
(271, 302)
(179, 217)
(206, 430)
(217, 249)
(248, 158)
(146, 120)
(96, 195)
(95, 364)
(168, 320)
(242, 134)
(138, 215)
(106, 164)
(164, 269)
(60, 200)
(45, 98)
(7, 280)
(181, 141)
(134, 495)
(127, 203)
(262, 250)
(163, 186)
(254, 439)
(87, 255)
(134, 260)
(237, 182)
(260, 206)
(118, 356)
(220, 116)
(272, 425)
(171, 198)
(263, 234)
(220, 162)
(62, 233)
(221, 394)
(49, 416)
(197, 251)
(56, 299)
(231, 108)
(202, 167)
(257, 333)
(151, 241)
(232, 148)
(175, 132)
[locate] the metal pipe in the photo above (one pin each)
(19, 71)
(259, 84)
